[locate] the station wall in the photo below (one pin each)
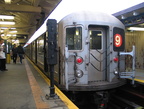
(135, 38)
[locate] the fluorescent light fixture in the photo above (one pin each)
(13, 32)
(99, 34)
(14, 35)
(123, 17)
(9, 35)
(13, 28)
(6, 17)
(41, 42)
(2, 34)
(135, 13)
(6, 35)
(15, 41)
(136, 28)
(7, 28)
(1, 31)
(7, 23)
(7, 1)
(4, 28)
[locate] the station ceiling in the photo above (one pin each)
(28, 15)
(133, 16)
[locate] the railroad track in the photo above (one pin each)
(117, 102)
(127, 98)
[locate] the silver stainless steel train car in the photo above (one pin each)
(89, 44)
(89, 48)
(89, 57)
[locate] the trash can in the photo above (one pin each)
(8, 58)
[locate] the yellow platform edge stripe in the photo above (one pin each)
(65, 99)
(139, 80)
(36, 90)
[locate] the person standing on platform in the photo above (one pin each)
(20, 52)
(2, 56)
(14, 53)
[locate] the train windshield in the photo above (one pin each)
(95, 39)
(74, 38)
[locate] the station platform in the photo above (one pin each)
(23, 86)
(139, 75)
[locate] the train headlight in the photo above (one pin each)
(79, 60)
(79, 73)
(115, 71)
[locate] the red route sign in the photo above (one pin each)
(117, 40)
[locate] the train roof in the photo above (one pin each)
(91, 17)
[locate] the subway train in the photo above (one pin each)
(88, 52)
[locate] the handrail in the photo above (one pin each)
(129, 74)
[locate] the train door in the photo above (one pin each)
(97, 54)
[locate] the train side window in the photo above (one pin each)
(74, 38)
(95, 39)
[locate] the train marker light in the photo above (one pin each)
(115, 59)
(79, 60)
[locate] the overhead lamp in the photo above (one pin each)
(136, 28)
(4, 28)
(7, 1)
(7, 28)
(8, 35)
(13, 32)
(13, 28)
(1, 31)
(135, 13)
(5, 36)
(6, 17)
(14, 35)
(7, 23)
(123, 17)
(15, 41)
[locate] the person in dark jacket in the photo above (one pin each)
(20, 52)
(14, 53)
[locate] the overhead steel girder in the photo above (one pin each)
(134, 20)
(20, 8)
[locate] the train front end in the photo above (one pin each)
(90, 43)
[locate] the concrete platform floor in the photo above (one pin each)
(22, 87)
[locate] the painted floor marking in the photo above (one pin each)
(36, 91)
(62, 96)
